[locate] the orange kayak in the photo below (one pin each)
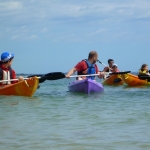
(133, 80)
(114, 79)
(22, 88)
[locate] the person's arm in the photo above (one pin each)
(101, 73)
(14, 77)
(20, 78)
(105, 69)
(80, 66)
(72, 71)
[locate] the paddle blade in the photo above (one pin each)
(124, 72)
(146, 77)
(55, 76)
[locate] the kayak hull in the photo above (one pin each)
(133, 80)
(114, 79)
(22, 88)
(85, 86)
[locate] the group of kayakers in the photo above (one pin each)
(84, 67)
(88, 66)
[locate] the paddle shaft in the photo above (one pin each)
(84, 75)
(101, 63)
(15, 79)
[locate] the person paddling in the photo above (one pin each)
(109, 67)
(6, 72)
(87, 66)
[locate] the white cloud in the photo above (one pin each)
(23, 27)
(44, 30)
(6, 7)
(33, 36)
(78, 18)
(23, 37)
(14, 37)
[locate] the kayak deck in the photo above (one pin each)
(133, 80)
(114, 79)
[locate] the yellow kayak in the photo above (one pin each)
(114, 79)
(22, 88)
(133, 80)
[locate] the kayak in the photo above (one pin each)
(133, 80)
(114, 79)
(21, 88)
(85, 86)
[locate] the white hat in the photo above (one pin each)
(114, 65)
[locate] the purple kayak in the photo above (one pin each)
(85, 86)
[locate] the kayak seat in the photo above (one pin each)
(117, 80)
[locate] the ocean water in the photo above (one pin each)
(56, 119)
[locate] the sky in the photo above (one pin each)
(54, 35)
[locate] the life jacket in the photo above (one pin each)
(90, 69)
(144, 72)
(5, 75)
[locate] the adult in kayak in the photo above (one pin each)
(109, 67)
(6, 72)
(87, 66)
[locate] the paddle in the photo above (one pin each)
(49, 76)
(101, 63)
(123, 72)
(14, 79)
(146, 77)
(60, 75)
(42, 78)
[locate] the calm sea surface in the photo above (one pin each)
(56, 119)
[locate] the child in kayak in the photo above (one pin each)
(115, 68)
(143, 72)
(6, 72)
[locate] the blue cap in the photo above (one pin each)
(6, 56)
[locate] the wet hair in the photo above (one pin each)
(143, 66)
(109, 60)
(92, 54)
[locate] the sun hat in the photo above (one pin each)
(6, 56)
(114, 65)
